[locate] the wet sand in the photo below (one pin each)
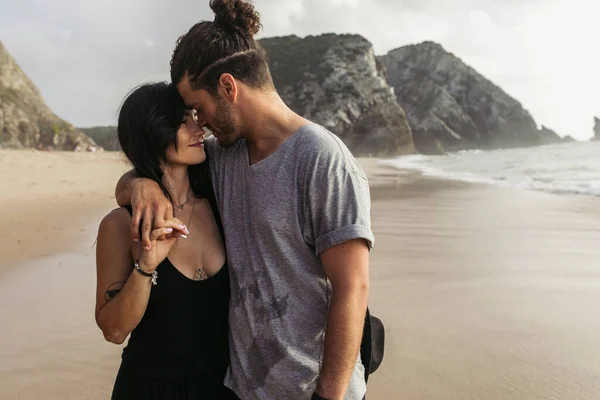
(52, 204)
(486, 293)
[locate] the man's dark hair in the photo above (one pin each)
(225, 45)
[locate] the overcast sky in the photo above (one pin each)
(86, 55)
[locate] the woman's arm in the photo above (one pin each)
(122, 293)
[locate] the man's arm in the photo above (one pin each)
(347, 267)
(150, 206)
(337, 224)
(123, 189)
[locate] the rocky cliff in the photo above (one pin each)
(25, 120)
(452, 107)
(336, 81)
(548, 136)
(596, 128)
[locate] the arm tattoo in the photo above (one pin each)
(200, 275)
(113, 290)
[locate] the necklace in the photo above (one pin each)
(180, 206)
(191, 215)
(200, 274)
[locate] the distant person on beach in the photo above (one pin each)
(172, 295)
(295, 207)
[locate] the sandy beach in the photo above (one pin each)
(50, 201)
(486, 293)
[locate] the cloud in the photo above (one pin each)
(85, 56)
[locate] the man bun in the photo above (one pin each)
(236, 16)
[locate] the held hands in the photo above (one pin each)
(153, 210)
(161, 243)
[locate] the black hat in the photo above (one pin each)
(372, 344)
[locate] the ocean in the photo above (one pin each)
(572, 168)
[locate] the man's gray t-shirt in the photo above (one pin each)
(279, 215)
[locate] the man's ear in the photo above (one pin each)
(228, 87)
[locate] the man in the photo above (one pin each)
(295, 208)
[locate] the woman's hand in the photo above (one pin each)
(150, 208)
(161, 240)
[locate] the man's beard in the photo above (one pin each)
(225, 124)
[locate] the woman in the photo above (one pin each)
(173, 297)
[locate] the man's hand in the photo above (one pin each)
(150, 208)
(149, 205)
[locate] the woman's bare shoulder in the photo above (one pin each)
(115, 222)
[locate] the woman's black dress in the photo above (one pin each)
(179, 350)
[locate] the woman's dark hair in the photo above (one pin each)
(225, 45)
(148, 123)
